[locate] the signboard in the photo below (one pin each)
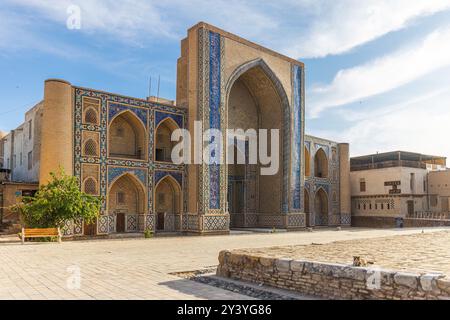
(392, 183)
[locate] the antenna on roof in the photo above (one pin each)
(159, 83)
(150, 87)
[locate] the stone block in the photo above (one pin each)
(406, 279)
(444, 285)
(223, 255)
(283, 265)
(297, 265)
(428, 281)
(236, 259)
(266, 262)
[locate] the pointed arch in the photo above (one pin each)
(306, 204)
(90, 148)
(90, 186)
(163, 144)
(321, 207)
(307, 162)
(91, 116)
(321, 164)
(253, 76)
(126, 196)
(167, 202)
(127, 137)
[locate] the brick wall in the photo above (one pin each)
(333, 281)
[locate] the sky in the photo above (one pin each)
(377, 71)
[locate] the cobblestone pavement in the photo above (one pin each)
(140, 269)
(422, 253)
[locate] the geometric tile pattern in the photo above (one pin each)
(346, 219)
(131, 223)
(178, 176)
(296, 220)
(216, 223)
(110, 105)
(296, 176)
(160, 116)
(103, 224)
(78, 227)
(215, 95)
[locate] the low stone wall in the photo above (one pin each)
(333, 281)
(419, 223)
(390, 222)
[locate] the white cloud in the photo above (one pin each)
(383, 74)
(299, 28)
(339, 26)
(126, 19)
(420, 124)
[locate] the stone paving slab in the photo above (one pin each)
(421, 253)
(139, 268)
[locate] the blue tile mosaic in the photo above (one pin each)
(115, 108)
(214, 113)
(114, 172)
(297, 137)
(160, 116)
(178, 176)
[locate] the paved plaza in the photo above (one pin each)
(141, 269)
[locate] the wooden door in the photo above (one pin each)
(120, 222)
(160, 221)
(90, 229)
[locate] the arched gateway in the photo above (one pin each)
(256, 100)
(127, 199)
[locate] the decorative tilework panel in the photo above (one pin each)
(115, 108)
(67, 229)
(160, 116)
(178, 176)
(114, 172)
(78, 227)
(103, 224)
(346, 219)
(214, 113)
(216, 223)
(150, 222)
(297, 137)
(296, 220)
(131, 223)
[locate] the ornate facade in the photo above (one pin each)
(119, 147)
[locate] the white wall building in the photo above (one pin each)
(389, 187)
(21, 148)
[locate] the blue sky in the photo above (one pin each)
(378, 72)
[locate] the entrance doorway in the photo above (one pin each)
(167, 203)
(126, 197)
(410, 207)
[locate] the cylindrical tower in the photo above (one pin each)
(344, 173)
(57, 129)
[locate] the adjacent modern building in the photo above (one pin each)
(387, 188)
(439, 192)
(119, 147)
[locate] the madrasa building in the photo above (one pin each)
(120, 148)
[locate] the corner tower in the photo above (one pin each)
(57, 129)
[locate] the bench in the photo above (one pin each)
(41, 233)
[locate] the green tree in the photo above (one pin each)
(58, 201)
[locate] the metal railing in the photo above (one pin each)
(429, 215)
(388, 164)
